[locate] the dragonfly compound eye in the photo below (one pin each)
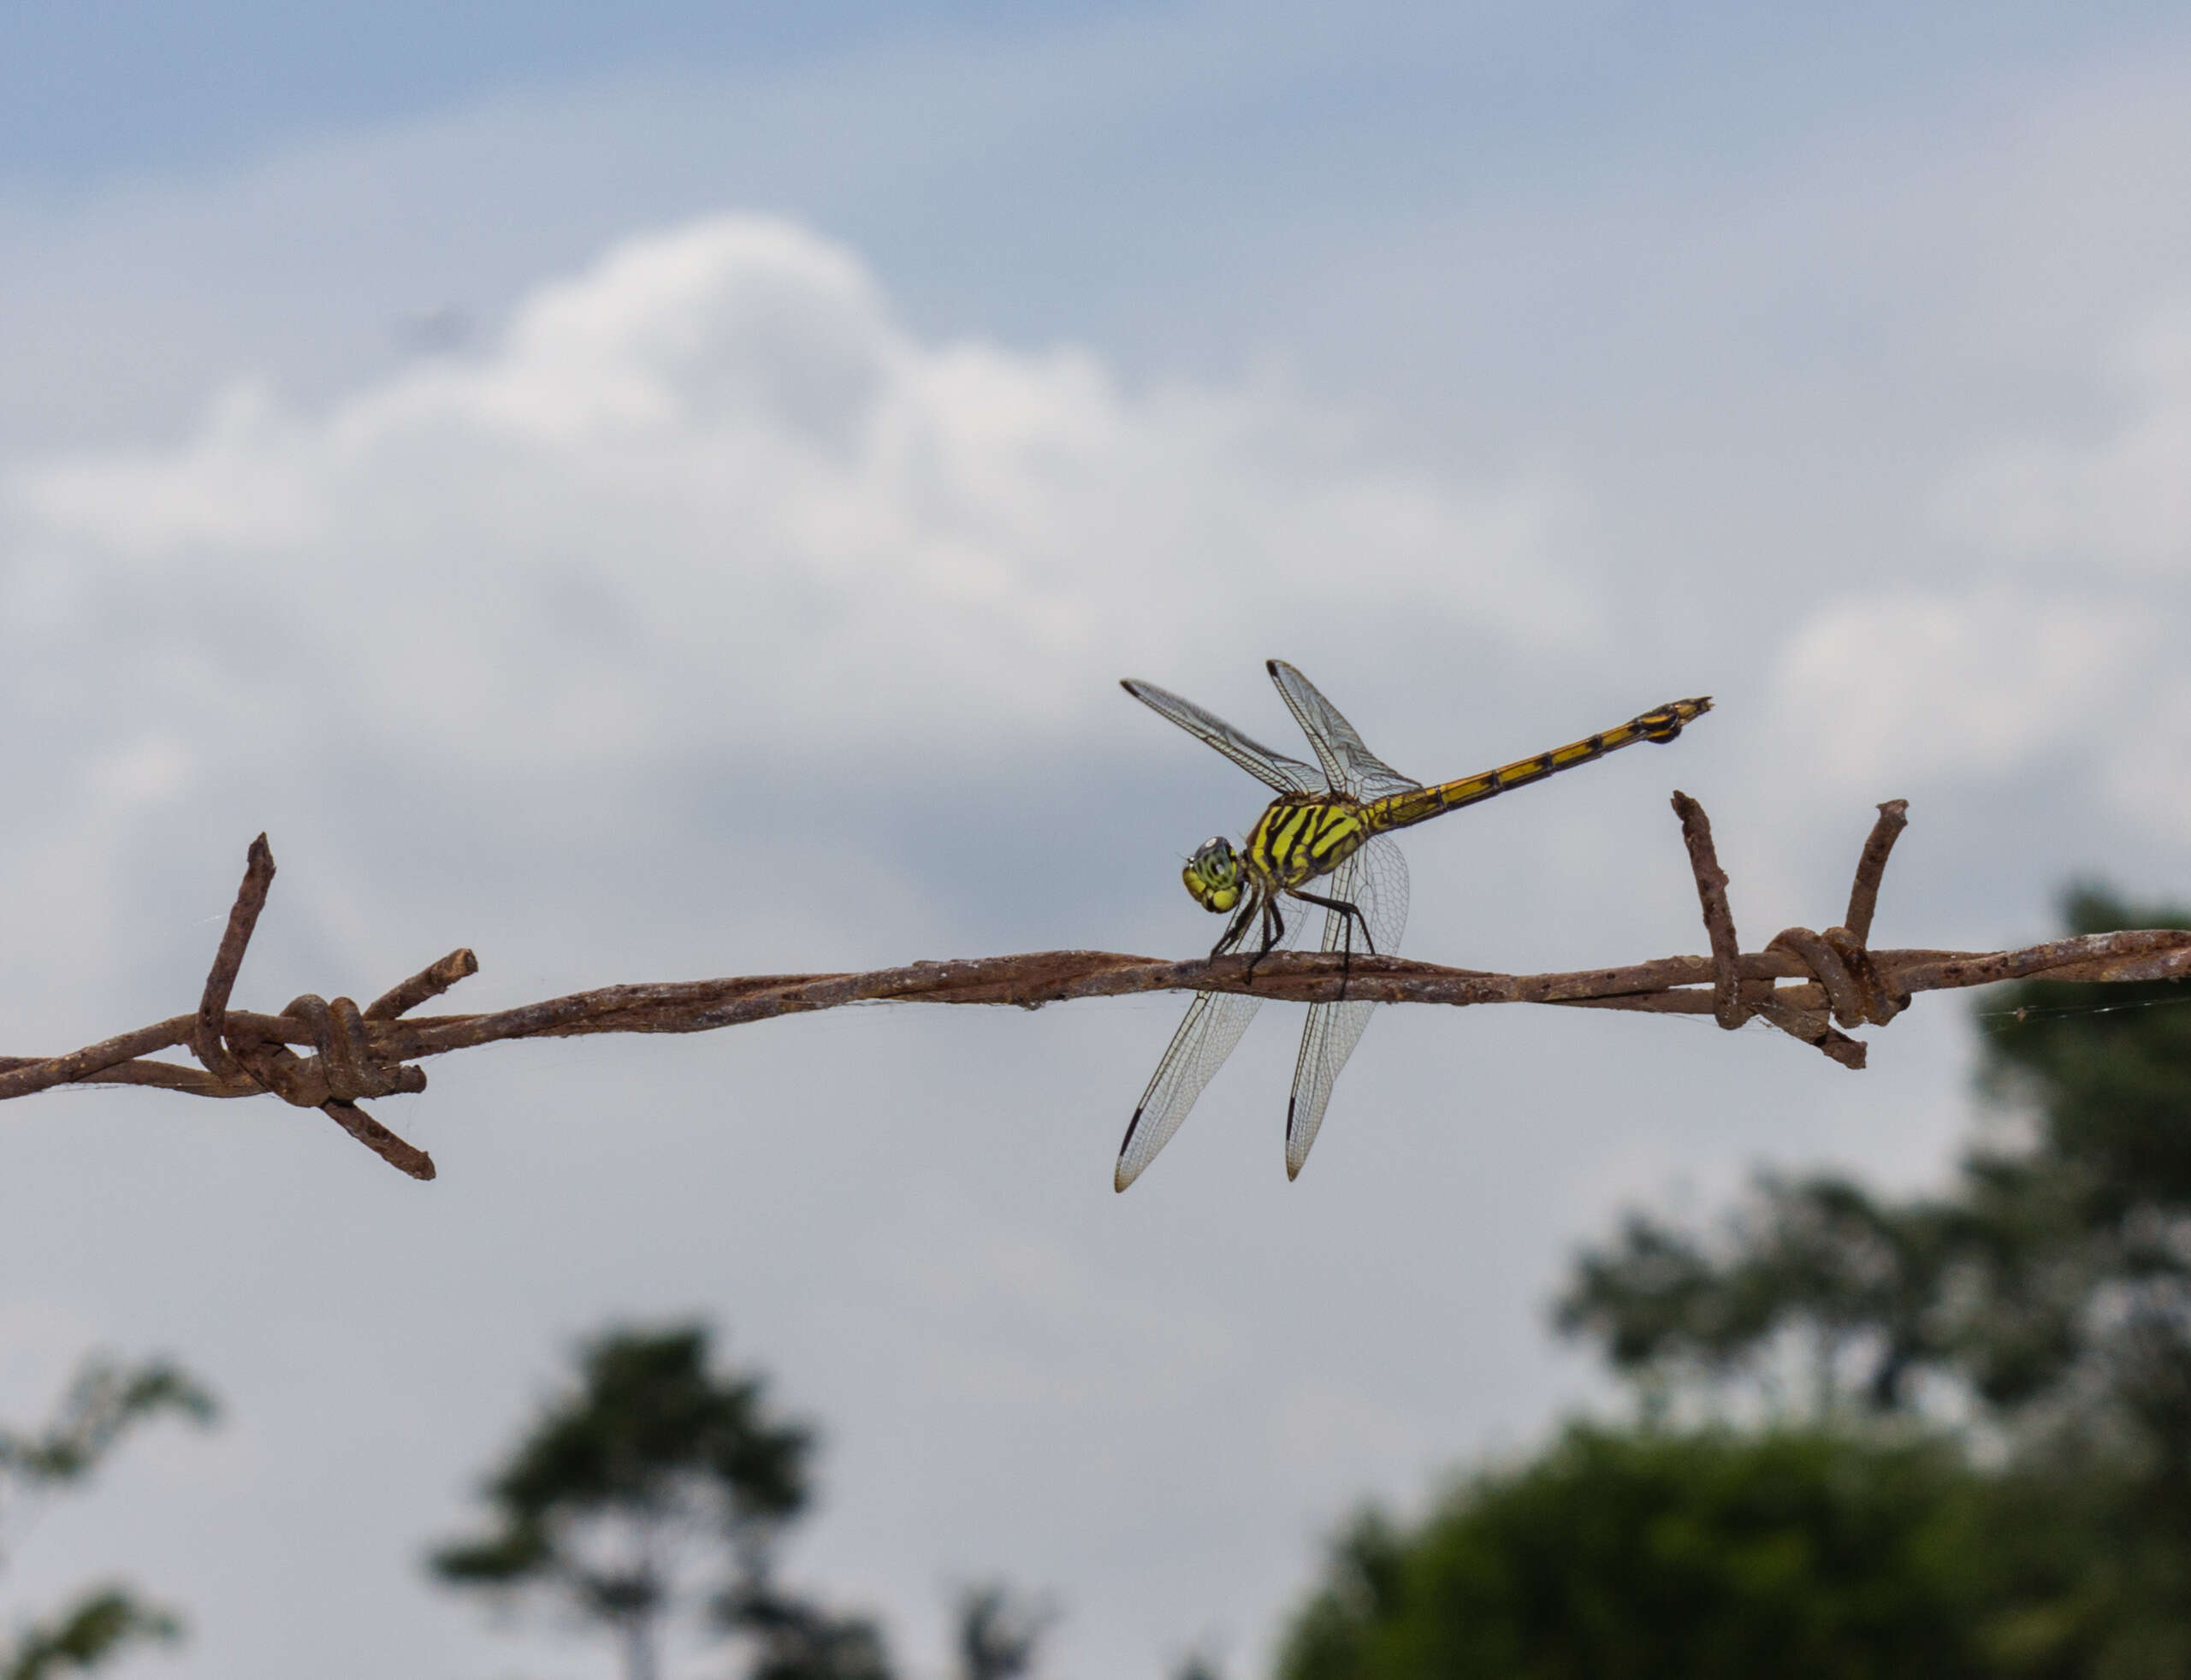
(1213, 875)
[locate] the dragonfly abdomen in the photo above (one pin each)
(1662, 723)
(1304, 836)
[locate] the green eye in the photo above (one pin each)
(1212, 875)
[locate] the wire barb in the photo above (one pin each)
(1864, 894)
(428, 983)
(1847, 984)
(1728, 1005)
(373, 1051)
(241, 1056)
(208, 1039)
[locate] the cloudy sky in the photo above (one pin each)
(674, 498)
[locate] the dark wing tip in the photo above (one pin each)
(1119, 1176)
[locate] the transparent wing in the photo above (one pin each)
(1352, 768)
(1375, 880)
(1273, 770)
(1214, 1022)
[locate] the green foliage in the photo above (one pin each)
(1821, 1258)
(2051, 1286)
(650, 1436)
(799, 1641)
(2054, 1283)
(1644, 1554)
(105, 1402)
(98, 1626)
(2046, 1297)
(2085, 1237)
(999, 1631)
(650, 1457)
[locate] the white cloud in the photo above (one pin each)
(153, 767)
(2146, 771)
(1919, 683)
(2122, 501)
(1991, 677)
(710, 493)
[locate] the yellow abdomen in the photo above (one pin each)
(1418, 805)
(1304, 835)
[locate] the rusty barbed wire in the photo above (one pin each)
(1839, 981)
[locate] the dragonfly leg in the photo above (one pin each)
(1235, 930)
(1274, 930)
(1345, 909)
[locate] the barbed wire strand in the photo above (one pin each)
(1807, 984)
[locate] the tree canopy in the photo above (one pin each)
(650, 1457)
(1712, 1555)
(106, 1400)
(656, 1485)
(1946, 1433)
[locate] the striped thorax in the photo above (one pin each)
(1303, 836)
(1299, 838)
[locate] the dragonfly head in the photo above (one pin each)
(1215, 877)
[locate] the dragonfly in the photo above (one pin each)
(1325, 842)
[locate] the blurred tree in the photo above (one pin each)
(2053, 1284)
(999, 1631)
(98, 1626)
(998, 1634)
(650, 1459)
(104, 1403)
(799, 1641)
(1816, 1272)
(1649, 1553)
(2050, 1291)
(2040, 1308)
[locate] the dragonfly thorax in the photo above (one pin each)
(1215, 875)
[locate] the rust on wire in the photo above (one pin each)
(1727, 1007)
(1863, 895)
(242, 1056)
(429, 982)
(208, 1036)
(1806, 984)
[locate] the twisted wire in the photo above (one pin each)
(1839, 981)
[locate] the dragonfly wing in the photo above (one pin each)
(1374, 881)
(1273, 770)
(1215, 1020)
(1350, 767)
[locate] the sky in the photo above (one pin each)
(673, 497)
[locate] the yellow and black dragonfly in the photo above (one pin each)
(1330, 827)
